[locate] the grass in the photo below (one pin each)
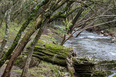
(114, 75)
(45, 69)
(13, 29)
(113, 30)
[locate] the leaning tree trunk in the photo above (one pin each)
(20, 48)
(7, 20)
(17, 38)
(75, 20)
(27, 63)
(71, 26)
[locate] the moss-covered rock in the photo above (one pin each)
(52, 53)
(103, 73)
(107, 64)
(84, 67)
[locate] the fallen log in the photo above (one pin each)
(52, 53)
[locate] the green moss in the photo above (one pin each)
(108, 72)
(52, 53)
(44, 70)
(23, 27)
(108, 64)
(13, 29)
(40, 43)
(84, 66)
(18, 70)
(84, 60)
(114, 75)
(20, 61)
(113, 30)
(103, 73)
(99, 74)
(48, 39)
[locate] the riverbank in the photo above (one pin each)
(104, 32)
(44, 69)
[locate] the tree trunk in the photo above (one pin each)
(27, 63)
(7, 20)
(17, 38)
(75, 20)
(1, 22)
(64, 38)
(20, 48)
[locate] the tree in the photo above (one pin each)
(50, 10)
(93, 14)
(27, 63)
(7, 20)
(40, 21)
(17, 38)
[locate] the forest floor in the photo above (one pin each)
(44, 69)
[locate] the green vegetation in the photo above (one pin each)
(29, 19)
(114, 75)
(48, 39)
(20, 61)
(55, 54)
(101, 73)
(108, 64)
(113, 30)
(45, 69)
(14, 27)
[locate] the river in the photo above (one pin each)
(89, 44)
(93, 45)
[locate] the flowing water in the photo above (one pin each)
(93, 45)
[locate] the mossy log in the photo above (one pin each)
(52, 53)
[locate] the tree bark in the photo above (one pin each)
(20, 48)
(7, 20)
(75, 20)
(17, 38)
(27, 63)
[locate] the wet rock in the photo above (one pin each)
(66, 74)
(113, 39)
(84, 67)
